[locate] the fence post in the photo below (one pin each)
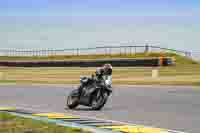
(155, 73)
(77, 52)
(33, 52)
(146, 48)
(120, 50)
(8, 52)
(110, 51)
(188, 54)
(97, 51)
(135, 49)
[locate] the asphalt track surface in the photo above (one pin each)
(169, 107)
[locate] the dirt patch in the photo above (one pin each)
(7, 124)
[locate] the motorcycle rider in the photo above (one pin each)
(103, 76)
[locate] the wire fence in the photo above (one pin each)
(105, 50)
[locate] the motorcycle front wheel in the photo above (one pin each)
(98, 103)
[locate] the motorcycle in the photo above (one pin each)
(93, 94)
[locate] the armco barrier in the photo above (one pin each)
(148, 62)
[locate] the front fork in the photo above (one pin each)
(80, 90)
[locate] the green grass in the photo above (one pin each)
(175, 75)
(13, 124)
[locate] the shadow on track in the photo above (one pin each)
(89, 109)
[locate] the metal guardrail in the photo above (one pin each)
(106, 50)
(150, 62)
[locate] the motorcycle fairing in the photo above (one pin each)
(86, 95)
(75, 93)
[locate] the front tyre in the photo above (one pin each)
(98, 103)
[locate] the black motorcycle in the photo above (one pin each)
(94, 93)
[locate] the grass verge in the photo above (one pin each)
(176, 75)
(13, 124)
(185, 72)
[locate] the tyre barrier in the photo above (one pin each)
(84, 123)
(147, 62)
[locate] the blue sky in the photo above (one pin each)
(99, 7)
(84, 23)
